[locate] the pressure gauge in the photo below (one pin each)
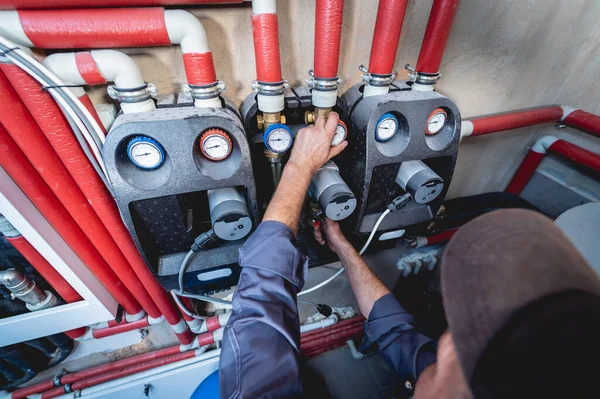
(387, 126)
(145, 153)
(341, 131)
(278, 138)
(215, 144)
(436, 121)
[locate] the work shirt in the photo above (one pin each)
(260, 356)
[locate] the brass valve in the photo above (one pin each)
(267, 119)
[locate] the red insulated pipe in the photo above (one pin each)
(436, 36)
(560, 147)
(22, 127)
(328, 34)
(18, 167)
(133, 269)
(354, 320)
(265, 32)
(323, 332)
(120, 328)
(45, 269)
(93, 371)
(331, 338)
(515, 120)
(388, 26)
(44, 4)
(441, 237)
(119, 373)
(584, 121)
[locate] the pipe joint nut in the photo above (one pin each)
(374, 79)
(133, 95)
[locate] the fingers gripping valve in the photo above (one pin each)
(422, 183)
(332, 193)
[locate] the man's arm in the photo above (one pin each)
(389, 325)
(261, 342)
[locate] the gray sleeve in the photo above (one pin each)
(260, 354)
(390, 328)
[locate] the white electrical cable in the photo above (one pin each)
(69, 104)
(362, 251)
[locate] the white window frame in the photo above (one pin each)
(97, 304)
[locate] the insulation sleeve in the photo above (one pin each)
(436, 36)
(526, 170)
(328, 33)
(120, 328)
(441, 237)
(45, 4)
(576, 154)
(95, 28)
(88, 69)
(45, 269)
(199, 68)
(584, 121)
(122, 372)
(266, 48)
(388, 26)
(128, 263)
(14, 162)
(514, 120)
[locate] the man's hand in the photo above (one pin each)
(329, 232)
(312, 146)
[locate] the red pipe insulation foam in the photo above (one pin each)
(584, 121)
(18, 167)
(441, 237)
(388, 26)
(128, 263)
(42, 4)
(96, 370)
(87, 103)
(265, 32)
(307, 336)
(436, 36)
(515, 120)
(120, 328)
(560, 147)
(87, 68)
(119, 373)
(199, 68)
(58, 157)
(45, 269)
(328, 34)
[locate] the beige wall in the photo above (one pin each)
(502, 55)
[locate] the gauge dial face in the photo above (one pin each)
(341, 131)
(386, 127)
(145, 153)
(279, 140)
(215, 145)
(436, 121)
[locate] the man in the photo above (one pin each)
(522, 305)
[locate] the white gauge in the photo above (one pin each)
(145, 153)
(215, 145)
(387, 126)
(341, 131)
(436, 121)
(278, 138)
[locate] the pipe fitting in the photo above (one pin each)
(543, 143)
(7, 229)
(184, 28)
(373, 79)
(25, 289)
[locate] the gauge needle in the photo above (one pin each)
(143, 155)
(214, 146)
(277, 140)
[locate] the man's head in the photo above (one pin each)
(523, 311)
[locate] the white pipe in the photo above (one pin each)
(369, 90)
(65, 67)
(466, 129)
(354, 351)
(567, 111)
(543, 143)
(420, 87)
(186, 30)
(264, 7)
(12, 29)
(329, 321)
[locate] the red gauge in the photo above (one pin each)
(215, 144)
(341, 131)
(436, 121)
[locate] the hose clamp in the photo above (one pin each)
(270, 89)
(322, 84)
(133, 95)
(374, 79)
(203, 92)
(422, 78)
